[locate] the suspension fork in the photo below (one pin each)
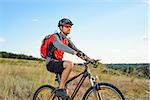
(95, 85)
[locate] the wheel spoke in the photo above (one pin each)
(106, 91)
(44, 93)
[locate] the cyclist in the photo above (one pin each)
(54, 62)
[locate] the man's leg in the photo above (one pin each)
(68, 65)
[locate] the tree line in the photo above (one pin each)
(4, 54)
(138, 69)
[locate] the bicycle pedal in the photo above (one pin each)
(66, 98)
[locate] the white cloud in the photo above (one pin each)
(145, 37)
(2, 40)
(35, 20)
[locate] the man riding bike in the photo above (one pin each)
(54, 62)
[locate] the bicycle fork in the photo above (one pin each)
(95, 85)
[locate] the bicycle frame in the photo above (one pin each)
(84, 74)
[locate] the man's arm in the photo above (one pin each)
(71, 45)
(83, 56)
(59, 45)
(80, 54)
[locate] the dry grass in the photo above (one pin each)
(20, 78)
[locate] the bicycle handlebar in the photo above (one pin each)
(93, 62)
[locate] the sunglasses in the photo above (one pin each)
(67, 26)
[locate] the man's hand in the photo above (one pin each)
(92, 61)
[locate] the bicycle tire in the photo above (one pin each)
(45, 92)
(102, 91)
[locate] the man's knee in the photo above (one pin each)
(68, 64)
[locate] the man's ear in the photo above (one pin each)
(60, 27)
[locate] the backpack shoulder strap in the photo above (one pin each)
(58, 36)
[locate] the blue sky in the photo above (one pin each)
(115, 31)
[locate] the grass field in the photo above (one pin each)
(20, 78)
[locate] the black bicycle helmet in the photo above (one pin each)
(64, 21)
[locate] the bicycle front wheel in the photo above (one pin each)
(103, 91)
(45, 92)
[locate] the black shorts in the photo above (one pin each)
(55, 66)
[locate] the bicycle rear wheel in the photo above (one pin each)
(103, 91)
(45, 92)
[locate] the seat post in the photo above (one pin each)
(57, 78)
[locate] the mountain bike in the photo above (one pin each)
(97, 91)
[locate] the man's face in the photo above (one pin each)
(66, 29)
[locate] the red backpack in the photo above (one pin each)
(44, 46)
